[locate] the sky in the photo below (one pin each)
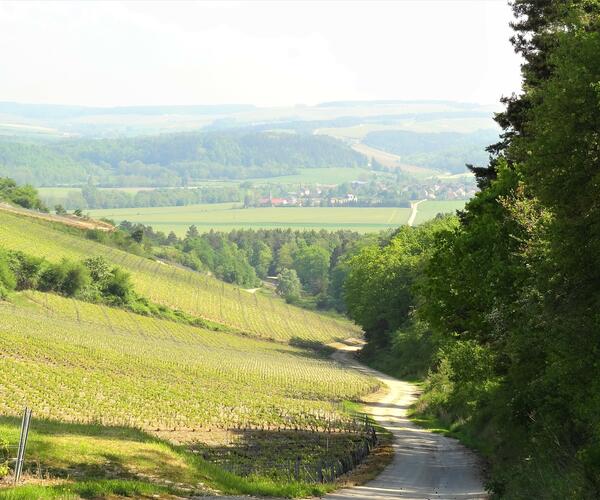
(273, 53)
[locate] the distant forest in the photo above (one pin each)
(180, 159)
(171, 159)
(442, 150)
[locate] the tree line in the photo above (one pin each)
(309, 267)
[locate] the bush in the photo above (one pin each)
(4, 456)
(27, 270)
(67, 278)
(7, 277)
(117, 287)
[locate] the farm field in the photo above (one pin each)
(358, 132)
(224, 217)
(392, 160)
(430, 208)
(194, 293)
(109, 366)
(127, 402)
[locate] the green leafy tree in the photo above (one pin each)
(172, 239)
(288, 285)
(311, 262)
(260, 258)
(192, 232)
(137, 235)
(379, 288)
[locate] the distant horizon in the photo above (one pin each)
(341, 102)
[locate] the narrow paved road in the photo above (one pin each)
(413, 211)
(425, 465)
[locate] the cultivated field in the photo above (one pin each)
(197, 294)
(430, 208)
(79, 362)
(392, 160)
(224, 217)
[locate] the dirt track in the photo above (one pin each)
(413, 211)
(67, 220)
(425, 465)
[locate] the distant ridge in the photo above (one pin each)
(391, 102)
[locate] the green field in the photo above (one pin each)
(119, 398)
(196, 294)
(109, 366)
(430, 208)
(224, 217)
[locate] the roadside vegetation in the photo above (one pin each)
(497, 307)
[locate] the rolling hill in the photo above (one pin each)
(123, 402)
(196, 294)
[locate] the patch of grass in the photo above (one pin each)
(86, 489)
(97, 461)
(226, 217)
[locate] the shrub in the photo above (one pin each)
(4, 456)
(27, 270)
(67, 278)
(7, 277)
(117, 286)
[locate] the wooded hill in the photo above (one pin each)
(171, 159)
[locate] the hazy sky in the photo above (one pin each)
(265, 53)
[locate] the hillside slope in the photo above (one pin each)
(194, 293)
(109, 366)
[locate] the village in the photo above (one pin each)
(363, 194)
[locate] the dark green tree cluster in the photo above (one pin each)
(317, 259)
(25, 196)
(93, 198)
(93, 279)
(313, 263)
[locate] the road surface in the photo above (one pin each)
(425, 465)
(413, 211)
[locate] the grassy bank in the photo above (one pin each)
(91, 461)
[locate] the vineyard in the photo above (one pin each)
(291, 455)
(194, 293)
(79, 362)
